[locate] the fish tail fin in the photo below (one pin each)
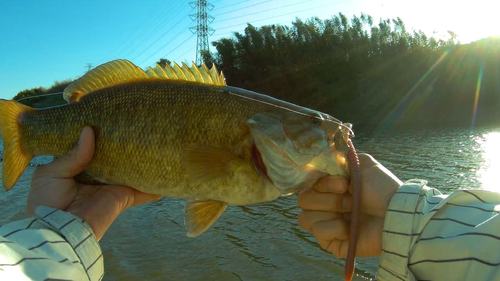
(15, 159)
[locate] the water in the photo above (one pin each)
(264, 242)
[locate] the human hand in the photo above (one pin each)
(327, 206)
(53, 185)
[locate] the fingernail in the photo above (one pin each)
(347, 203)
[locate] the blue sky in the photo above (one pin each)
(47, 41)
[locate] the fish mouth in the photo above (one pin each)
(258, 162)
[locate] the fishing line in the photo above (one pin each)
(294, 111)
(55, 106)
(44, 95)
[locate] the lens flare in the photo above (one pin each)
(488, 174)
(476, 99)
(407, 99)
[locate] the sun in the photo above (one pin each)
(469, 20)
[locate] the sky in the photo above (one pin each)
(46, 41)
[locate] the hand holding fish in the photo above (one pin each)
(53, 185)
(327, 206)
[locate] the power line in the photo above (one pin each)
(192, 35)
(166, 15)
(137, 29)
(253, 5)
(157, 38)
(277, 16)
(266, 10)
(231, 32)
(168, 43)
(177, 59)
(234, 4)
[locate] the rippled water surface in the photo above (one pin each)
(264, 242)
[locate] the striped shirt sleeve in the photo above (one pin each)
(431, 236)
(53, 245)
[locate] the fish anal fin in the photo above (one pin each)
(207, 163)
(201, 214)
(15, 158)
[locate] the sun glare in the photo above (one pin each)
(488, 174)
(469, 20)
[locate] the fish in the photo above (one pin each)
(182, 132)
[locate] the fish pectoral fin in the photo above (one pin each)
(201, 214)
(207, 163)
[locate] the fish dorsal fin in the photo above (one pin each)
(123, 71)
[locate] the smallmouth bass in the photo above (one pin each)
(182, 132)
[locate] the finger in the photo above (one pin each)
(337, 247)
(332, 236)
(143, 198)
(76, 160)
(308, 218)
(366, 161)
(313, 200)
(331, 184)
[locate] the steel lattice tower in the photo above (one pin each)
(202, 30)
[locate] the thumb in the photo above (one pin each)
(76, 160)
(366, 161)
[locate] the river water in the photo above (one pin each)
(264, 241)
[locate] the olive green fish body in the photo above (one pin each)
(141, 131)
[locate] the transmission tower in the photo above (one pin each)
(202, 30)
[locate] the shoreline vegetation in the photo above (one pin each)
(376, 76)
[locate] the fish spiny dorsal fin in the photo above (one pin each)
(178, 71)
(197, 73)
(119, 72)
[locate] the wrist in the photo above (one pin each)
(98, 212)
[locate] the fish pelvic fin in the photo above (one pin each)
(15, 159)
(121, 71)
(201, 214)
